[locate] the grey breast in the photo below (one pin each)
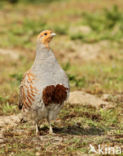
(47, 70)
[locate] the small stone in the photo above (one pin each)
(37, 154)
(105, 97)
(79, 97)
(1, 141)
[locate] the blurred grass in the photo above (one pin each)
(104, 25)
(30, 1)
(19, 27)
(19, 32)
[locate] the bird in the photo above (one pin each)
(45, 86)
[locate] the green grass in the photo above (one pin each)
(108, 77)
(7, 109)
(104, 25)
(78, 127)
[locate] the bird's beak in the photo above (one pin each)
(53, 34)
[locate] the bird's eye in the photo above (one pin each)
(45, 34)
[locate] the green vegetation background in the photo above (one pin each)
(101, 26)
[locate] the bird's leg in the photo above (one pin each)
(50, 128)
(37, 129)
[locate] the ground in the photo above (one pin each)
(89, 46)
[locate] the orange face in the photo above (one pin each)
(45, 37)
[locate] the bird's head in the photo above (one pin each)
(45, 37)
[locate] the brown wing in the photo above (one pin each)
(27, 91)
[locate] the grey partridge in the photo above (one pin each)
(45, 86)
